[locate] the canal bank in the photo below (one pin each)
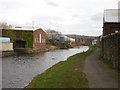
(30, 51)
(19, 70)
(27, 51)
(65, 74)
(7, 53)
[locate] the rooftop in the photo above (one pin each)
(24, 28)
(112, 15)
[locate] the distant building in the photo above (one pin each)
(39, 39)
(26, 38)
(66, 38)
(94, 42)
(111, 21)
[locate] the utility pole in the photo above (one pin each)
(32, 23)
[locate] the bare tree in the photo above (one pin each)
(52, 34)
(4, 25)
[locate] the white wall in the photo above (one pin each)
(6, 46)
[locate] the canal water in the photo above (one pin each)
(18, 71)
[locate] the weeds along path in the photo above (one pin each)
(98, 74)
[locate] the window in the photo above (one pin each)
(40, 38)
(34, 40)
(44, 41)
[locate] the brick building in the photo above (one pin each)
(111, 22)
(26, 38)
(39, 39)
(110, 42)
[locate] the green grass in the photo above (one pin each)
(65, 74)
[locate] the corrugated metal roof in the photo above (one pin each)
(24, 28)
(112, 15)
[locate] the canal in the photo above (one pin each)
(18, 71)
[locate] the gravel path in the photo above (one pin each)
(98, 74)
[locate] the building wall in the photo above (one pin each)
(86, 41)
(6, 46)
(110, 46)
(39, 39)
(34, 39)
(23, 35)
(109, 28)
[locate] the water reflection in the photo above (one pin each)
(18, 71)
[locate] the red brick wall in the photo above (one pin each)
(109, 28)
(39, 43)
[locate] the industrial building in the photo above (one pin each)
(110, 41)
(111, 21)
(24, 38)
(66, 38)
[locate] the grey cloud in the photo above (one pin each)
(76, 16)
(4, 4)
(119, 5)
(45, 21)
(41, 18)
(52, 3)
(83, 28)
(97, 17)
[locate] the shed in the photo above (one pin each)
(34, 38)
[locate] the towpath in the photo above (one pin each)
(98, 74)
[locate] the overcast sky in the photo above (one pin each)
(83, 17)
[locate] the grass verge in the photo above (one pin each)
(65, 74)
(109, 64)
